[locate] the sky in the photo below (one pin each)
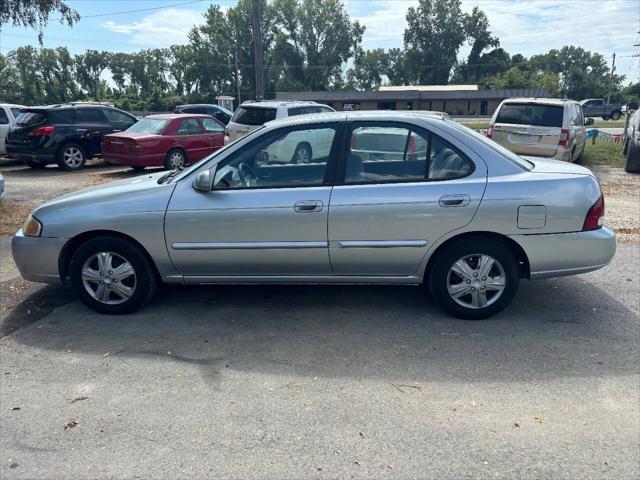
(523, 26)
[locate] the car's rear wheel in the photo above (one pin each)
(616, 114)
(71, 157)
(112, 275)
(633, 159)
(474, 278)
(176, 158)
(302, 153)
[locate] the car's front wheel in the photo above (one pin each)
(112, 275)
(474, 278)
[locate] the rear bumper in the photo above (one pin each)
(560, 254)
(37, 257)
(134, 160)
(27, 152)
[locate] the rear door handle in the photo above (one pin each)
(454, 201)
(306, 206)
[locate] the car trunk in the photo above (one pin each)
(247, 119)
(27, 122)
(529, 129)
(124, 143)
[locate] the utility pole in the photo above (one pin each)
(258, 53)
(613, 69)
(235, 56)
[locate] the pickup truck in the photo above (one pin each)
(598, 107)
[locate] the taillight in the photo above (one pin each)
(595, 216)
(353, 141)
(564, 137)
(411, 148)
(42, 131)
(489, 131)
(135, 147)
(226, 132)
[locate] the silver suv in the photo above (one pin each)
(541, 127)
(251, 115)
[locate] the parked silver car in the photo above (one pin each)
(543, 127)
(8, 114)
(467, 217)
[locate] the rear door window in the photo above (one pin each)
(190, 126)
(89, 115)
(4, 118)
(254, 115)
(26, 119)
(114, 116)
(531, 114)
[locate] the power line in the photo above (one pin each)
(135, 11)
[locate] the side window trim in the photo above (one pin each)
(350, 126)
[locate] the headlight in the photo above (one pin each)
(32, 227)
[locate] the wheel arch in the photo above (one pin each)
(69, 248)
(514, 247)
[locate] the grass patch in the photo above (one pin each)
(603, 153)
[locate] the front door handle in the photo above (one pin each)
(306, 206)
(454, 201)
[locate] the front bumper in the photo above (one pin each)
(37, 257)
(560, 254)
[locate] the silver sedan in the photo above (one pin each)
(423, 200)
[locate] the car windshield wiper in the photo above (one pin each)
(169, 176)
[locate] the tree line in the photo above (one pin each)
(307, 45)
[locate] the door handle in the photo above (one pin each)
(306, 206)
(454, 201)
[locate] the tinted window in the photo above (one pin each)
(296, 111)
(30, 118)
(326, 109)
(15, 111)
(531, 114)
(115, 116)
(392, 154)
(89, 115)
(192, 110)
(271, 161)
(211, 125)
(254, 115)
(149, 125)
(189, 126)
(4, 119)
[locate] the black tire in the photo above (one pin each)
(144, 284)
(170, 162)
(581, 156)
(606, 118)
(302, 152)
(625, 146)
(469, 247)
(616, 114)
(71, 157)
(633, 159)
(35, 165)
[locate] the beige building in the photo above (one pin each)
(457, 100)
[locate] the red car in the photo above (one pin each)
(167, 140)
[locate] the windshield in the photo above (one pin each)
(521, 162)
(531, 114)
(149, 125)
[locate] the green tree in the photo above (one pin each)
(89, 67)
(36, 13)
(476, 27)
(435, 31)
(369, 68)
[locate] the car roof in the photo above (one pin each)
(362, 115)
(541, 101)
(11, 105)
(173, 116)
(61, 106)
(186, 105)
(277, 103)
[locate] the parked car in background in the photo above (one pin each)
(469, 226)
(631, 147)
(251, 115)
(541, 127)
(66, 134)
(598, 107)
(166, 140)
(8, 114)
(218, 112)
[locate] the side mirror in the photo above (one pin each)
(588, 121)
(204, 181)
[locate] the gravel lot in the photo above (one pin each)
(321, 382)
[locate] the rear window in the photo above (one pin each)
(149, 125)
(26, 119)
(254, 115)
(531, 114)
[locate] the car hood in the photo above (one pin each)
(138, 195)
(547, 165)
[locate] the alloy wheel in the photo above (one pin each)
(109, 278)
(476, 281)
(72, 157)
(302, 155)
(176, 160)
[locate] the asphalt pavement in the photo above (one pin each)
(327, 382)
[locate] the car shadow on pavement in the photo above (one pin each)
(554, 328)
